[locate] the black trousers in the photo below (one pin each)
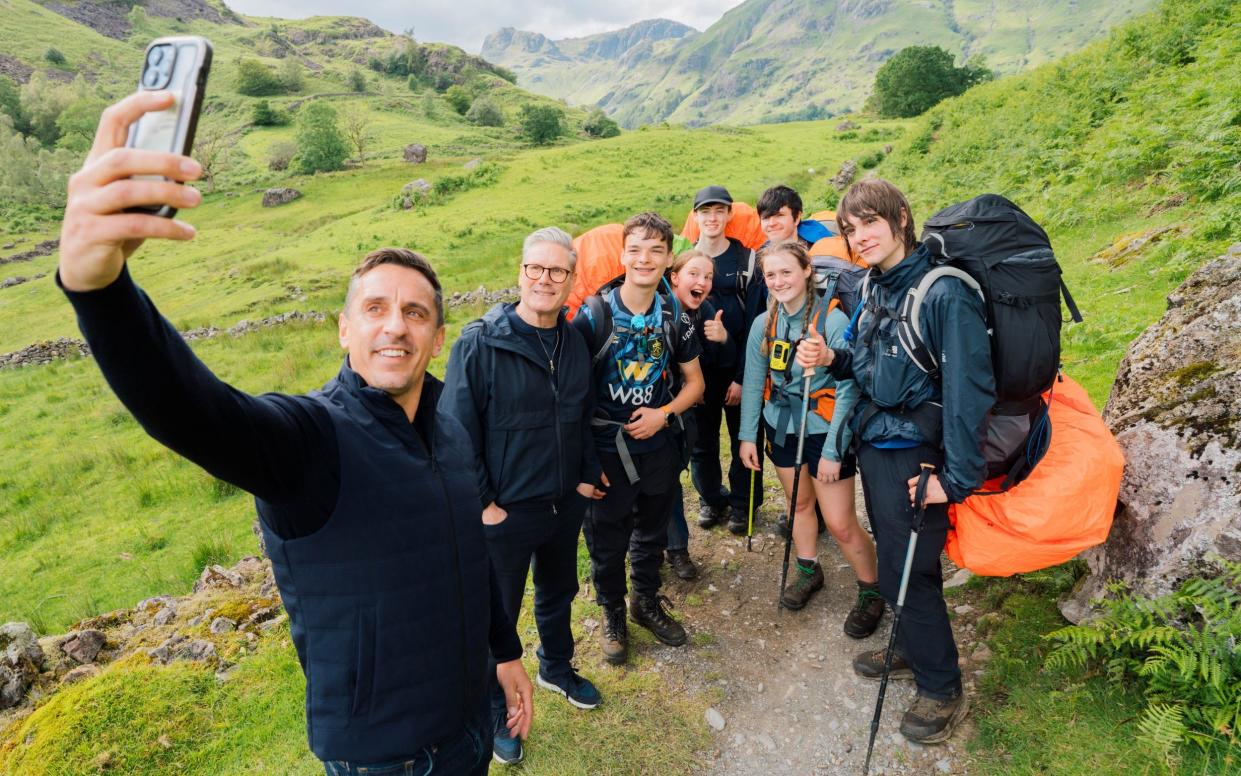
(632, 518)
(705, 460)
(925, 638)
(549, 539)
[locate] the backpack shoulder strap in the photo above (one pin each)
(601, 324)
(909, 325)
(748, 274)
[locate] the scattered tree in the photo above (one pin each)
(212, 150)
(485, 113)
(280, 154)
(356, 81)
(918, 77)
(264, 115)
(43, 101)
(599, 125)
(429, 107)
(320, 145)
(254, 79)
(29, 173)
(458, 98)
(54, 56)
(292, 75)
(139, 22)
(77, 122)
(542, 124)
(11, 104)
(355, 125)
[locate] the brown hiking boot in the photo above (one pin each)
(803, 585)
(682, 565)
(931, 721)
(614, 639)
(869, 665)
(866, 613)
(651, 612)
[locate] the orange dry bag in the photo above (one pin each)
(598, 261)
(743, 226)
(1065, 505)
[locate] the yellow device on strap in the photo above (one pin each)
(781, 352)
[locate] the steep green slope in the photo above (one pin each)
(773, 60)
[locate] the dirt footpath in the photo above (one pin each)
(783, 685)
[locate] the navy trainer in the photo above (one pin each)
(576, 689)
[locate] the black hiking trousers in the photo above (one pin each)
(706, 463)
(633, 519)
(925, 638)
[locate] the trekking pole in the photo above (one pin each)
(749, 531)
(920, 505)
(801, 443)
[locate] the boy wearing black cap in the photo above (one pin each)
(712, 210)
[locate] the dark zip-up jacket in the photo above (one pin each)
(530, 426)
(953, 327)
(372, 523)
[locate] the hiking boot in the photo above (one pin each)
(506, 748)
(614, 638)
(651, 612)
(577, 689)
(782, 525)
(708, 516)
(803, 585)
(931, 721)
(866, 612)
(869, 665)
(738, 522)
(681, 564)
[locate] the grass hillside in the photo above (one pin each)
(1136, 134)
(782, 60)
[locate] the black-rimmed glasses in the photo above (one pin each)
(535, 271)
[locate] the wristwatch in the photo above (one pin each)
(669, 415)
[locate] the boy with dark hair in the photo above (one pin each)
(635, 421)
(722, 396)
(907, 417)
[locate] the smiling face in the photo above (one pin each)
(780, 226)
(876, 241)
(390, 329)
(692, 282)
(545, 296)
(786, 279)
(646, 257)
(712, 219)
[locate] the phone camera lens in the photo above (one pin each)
(151, 79)
(156, 56)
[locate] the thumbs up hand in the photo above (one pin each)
(713, 328)
(813, 352)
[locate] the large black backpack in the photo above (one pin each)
(1000, 252)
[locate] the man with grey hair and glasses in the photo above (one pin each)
(519, 380)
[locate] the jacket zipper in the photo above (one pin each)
(456, 565)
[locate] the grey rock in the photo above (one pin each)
(715, 719)
(419, 185)
(83, 646)
(80, 673)
(845, 176)
(222, 625)
(280, 196)
(963, 609)
(473, 163)
(197, 650)
(982, 654)
(19, 642)
(218, 576)
(847, 125)
(767, 741)
(1174, 410)
(415, 153)
(959, 578)
(274, 622)
(165, 615)
(9, 245)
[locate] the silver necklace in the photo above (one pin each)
(551, 362)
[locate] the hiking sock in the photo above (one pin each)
(807, 565)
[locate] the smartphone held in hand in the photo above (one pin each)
(178, 65)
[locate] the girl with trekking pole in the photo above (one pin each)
(827, 476)
(691, 278)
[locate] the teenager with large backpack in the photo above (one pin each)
(637, 336)
(774, 380)
(908, 417)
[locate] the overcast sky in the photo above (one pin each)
(466, 22)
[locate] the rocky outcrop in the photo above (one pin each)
(44, 248)
(415, 153)
(844, 177)
(20, 659)
(1176, 409)
(281, 196)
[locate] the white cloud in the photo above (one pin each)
(466, 22)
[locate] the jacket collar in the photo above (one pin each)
(499, 332)
(386, 410)
(905, 274)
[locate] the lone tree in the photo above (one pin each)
(915, 79)
(213, 149)
(320, 145)
(356, 81)
(542, 124)
(355, 125)
(255, 80)
(485, 113)
(599, 125)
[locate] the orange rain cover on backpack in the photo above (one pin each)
(598, 261)
(1065, 505)
(743, 225)
(832, 246)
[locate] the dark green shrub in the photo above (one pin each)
(264, 115)
(598, 124)
(54, 56)
(542, 124)
(254, 79)
(485, 113)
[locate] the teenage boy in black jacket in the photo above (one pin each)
(907, 417)
(519, 380)
(366, 495)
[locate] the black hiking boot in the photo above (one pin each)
(803, 585)
(931, 721)
(869, 665)
(649, 611)
(866, 612)
(614, 639)
(738, 522)
(682, 565)
(708, 516)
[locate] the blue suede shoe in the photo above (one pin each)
(576, 689)
(505, 748)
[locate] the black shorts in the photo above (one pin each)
(785, 456)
